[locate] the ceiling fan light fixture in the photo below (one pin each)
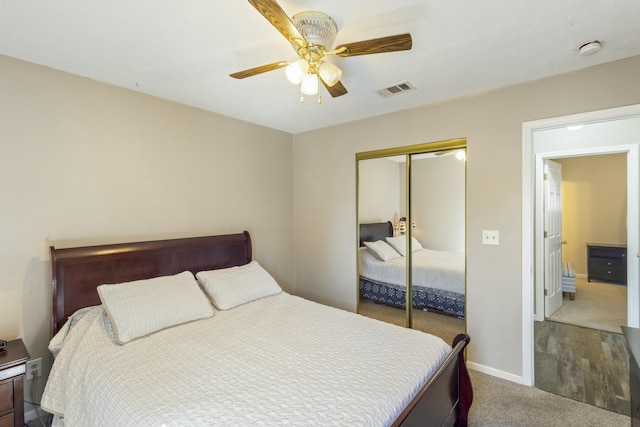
(329, 73)
(316, 27)
(312, 36)
(309, 85)
(296, 71)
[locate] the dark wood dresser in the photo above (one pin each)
(13, 367)
(607, 263)
(632, 336)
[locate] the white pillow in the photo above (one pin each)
(382, 250)
(231, 287)
(142, 307)
(399, 243)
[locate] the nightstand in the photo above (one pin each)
(13, 366)
(607, 262)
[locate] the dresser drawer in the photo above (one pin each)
(609, 274)
(607, 252)
(6, 396)
(609, 263)
(7, 420)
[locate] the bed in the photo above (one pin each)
(438, 276)
(270, 360)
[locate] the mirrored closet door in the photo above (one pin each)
(411, 231)
(382, 271)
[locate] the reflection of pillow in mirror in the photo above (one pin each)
(399, 243)
(382, 250)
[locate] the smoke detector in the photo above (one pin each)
(589, 48)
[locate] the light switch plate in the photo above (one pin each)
(490, 237)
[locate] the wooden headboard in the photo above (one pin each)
(77, 272)
(375, 231)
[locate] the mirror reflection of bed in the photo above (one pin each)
(437, 203)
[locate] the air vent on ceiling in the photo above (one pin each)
(395, 89)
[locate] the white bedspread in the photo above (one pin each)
(434, 269)
(279, 360)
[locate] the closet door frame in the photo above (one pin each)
(407, 151)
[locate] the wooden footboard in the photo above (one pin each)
(446, 397)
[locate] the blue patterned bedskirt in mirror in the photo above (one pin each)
(431, 299)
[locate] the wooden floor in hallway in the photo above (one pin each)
(584, 364)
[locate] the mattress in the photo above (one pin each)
(278, 360)
(431, 269)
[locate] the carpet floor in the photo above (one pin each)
(440, 325)
(596, 305)
(501, 403)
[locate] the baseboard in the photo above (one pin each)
(496, 373)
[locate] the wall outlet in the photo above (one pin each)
(490, 237)
(34, 365)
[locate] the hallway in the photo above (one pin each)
(584, 364)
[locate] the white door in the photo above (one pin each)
(553, 237)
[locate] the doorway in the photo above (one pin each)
(592, 216)
(609, 131)
(579, 350)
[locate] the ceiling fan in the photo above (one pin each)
(312, 34)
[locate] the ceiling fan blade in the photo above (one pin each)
(258, 70)
(336, 90)
(271, 10)
(380, 45)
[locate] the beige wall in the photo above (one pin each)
(379, 194)
(594, 204)
(85, 163)
(438, 187)
(324, 193)
(438, 202)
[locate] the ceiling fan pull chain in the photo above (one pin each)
(301, 99)
(319, 99)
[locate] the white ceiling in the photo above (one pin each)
(185, 50)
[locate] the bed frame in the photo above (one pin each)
(375, 231)
(76, 273)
